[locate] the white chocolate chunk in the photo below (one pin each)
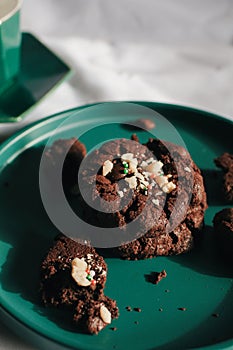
(155, 202)
(79, 264)
(144, 164)
(107, 167)
(154, 167)
(80, 278)
(170, 186)
(133, 165)
(127, 157)
(161, 180)
(132, 181)
(139, 176)
(92, 273)
(121, 194)
(187, 169)
(150, 160)
(105, 314)
(79, 272)
(146, 174)
(144, 183)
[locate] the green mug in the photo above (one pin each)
(10, 42)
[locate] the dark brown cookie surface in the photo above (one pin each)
(72, 151)
(225, 162)
(223, 225)
(157, 184)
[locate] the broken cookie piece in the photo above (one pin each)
(223, 226)
(156, 277)
(225, 162)
(73, 277)
(72, 151)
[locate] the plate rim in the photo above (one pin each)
(46, 119)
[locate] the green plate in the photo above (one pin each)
(199, 281)
(41, 70)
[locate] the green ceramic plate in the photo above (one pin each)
(199, 281)
(35, 80)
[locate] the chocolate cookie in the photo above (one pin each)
(73, 276)
(155, 186)
(73, 151)
(225, 162)
(223, 225)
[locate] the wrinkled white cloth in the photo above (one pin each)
(174, 51)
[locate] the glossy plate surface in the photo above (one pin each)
(41, 70)
(199, 281)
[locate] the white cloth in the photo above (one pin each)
(178, 51)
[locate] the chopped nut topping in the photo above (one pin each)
(127, 157)
(132, 181)
(89, 256)
(161, 181)
(170, 186)
(133, 165)
(121, 194)
(155, 202)
(145, 176)
(107, 167)
(79, 264)
(105, 314)
(187, 169)
(154, 167)
(81, 273)
(139, 176)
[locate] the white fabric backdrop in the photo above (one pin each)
(169, 51)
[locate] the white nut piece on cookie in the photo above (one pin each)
(107, 167)
(132, 181)
(79, 272)
(170, 186)
(133, 165)
(127, 157)
(105, 314)
(161, 181)
(154, 167)
(79, 264)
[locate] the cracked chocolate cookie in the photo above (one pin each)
(153, 192)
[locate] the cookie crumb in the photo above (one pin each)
(113, 328)
(140, 124)
(135, 138)
(215, 315)
(167, 290)
(146, 124)
(128, 308)
(182, 308)
(156, 277)
(136, 322)
(137, 309)
(160, 309)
